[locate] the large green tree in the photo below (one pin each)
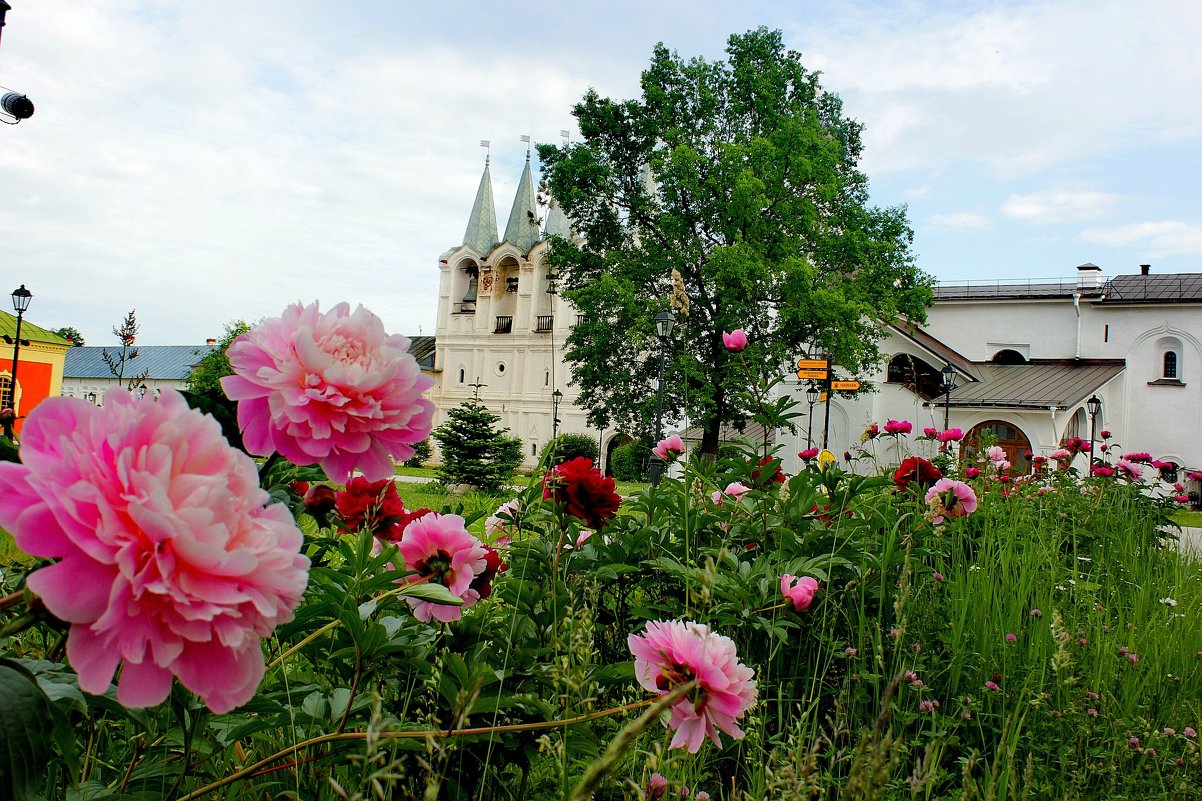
(742, 176)
(213, 365)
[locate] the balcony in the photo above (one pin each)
(543, 323)
(579, 319)
(504, 325)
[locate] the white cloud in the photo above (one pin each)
(1156, 239)
(1059, 206)
(959, 219)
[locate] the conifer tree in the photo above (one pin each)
(474, 450)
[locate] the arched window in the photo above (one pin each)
(916, 374)
(546, 378)
(461, 376)
(1170, 364)
(1006, 435)
(1009, 356)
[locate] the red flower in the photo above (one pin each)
(320, 499)
(375, 506)
(916, 470)
(583, 491)
(493, 566)
(776, 478)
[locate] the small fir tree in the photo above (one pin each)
(474, 450)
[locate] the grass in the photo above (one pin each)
(1188, 518)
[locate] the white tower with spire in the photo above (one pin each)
(501, 322)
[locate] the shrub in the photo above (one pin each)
(630, 462)
(421, 454)
(567, 447)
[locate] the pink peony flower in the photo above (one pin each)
(500, 527)
(808, 455)
(995, 453)
(929, 432)
(440, 548)
(898, 427)
(799, 590)
(1061, 455)
(735, 341)
(171, 559)
(330, 389)
(1102, 471)
(674, 652)
(1105, 434)
(1128, 469)
(950, 498)
(669, 448)
(971, 472)
(1182, 498)
(951, 435)
(733, 490)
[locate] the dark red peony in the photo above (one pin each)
(375, 506)
(582, 491)
(760, 481)
(320, 499)
(493, 566)
(916, 470)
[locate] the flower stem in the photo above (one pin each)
(18, 625)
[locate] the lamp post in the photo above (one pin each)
(812, 395)
(949, 383)
(1094, 404)
(21, 298)
(556, 398)
(92, 398)
(664, 321)
(142, 391)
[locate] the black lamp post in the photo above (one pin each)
(556, 398)
(92, 398)
(664, 321)
(949, 383)
(812, 395)
(142, 391)
(1094, 404)
(21, 298)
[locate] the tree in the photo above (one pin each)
(205, 379)
(566, 447)
(72, 333)
(126, 334)
(474, 451)
(741, 176)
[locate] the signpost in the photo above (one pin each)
(845, 386)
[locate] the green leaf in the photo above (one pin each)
(26, 728)
(434, 593)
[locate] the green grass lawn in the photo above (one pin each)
(1188, 518)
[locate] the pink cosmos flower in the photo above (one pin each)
(733, 490)
(440, 548)
(898, 427)
(735, 341)
(951, 498)
(172, 561)
(330, 389)
(951, 435)
(668, 449)
(674, 652)
(500, 527)
(799, 590)
(808, 455)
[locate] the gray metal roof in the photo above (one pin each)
(1013, 289)
(522, 228)
(422, 349)
(164, 362)
(1038, 385)
(557, 222)
(481, 233)
(1175, 288)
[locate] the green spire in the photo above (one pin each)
(522, 229)
(481, 233)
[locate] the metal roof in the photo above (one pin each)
(938, 348)
(422, 349)
(481, 233)
(34, 333)
(1175, 288)
(1038, 385)
(522, 228)
(1014, 289)
(164, 362)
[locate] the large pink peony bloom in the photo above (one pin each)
(736, 340)
(669, 448)
(439, 547)
(674, 652)
(330, 389)
(950, 498)
(798, 590)
(171, 561)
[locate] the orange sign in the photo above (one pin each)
(812, 374)
(845, 386)
(811, 364)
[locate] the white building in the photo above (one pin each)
(87, 375)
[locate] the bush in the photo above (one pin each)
(421, 454)
(630, 462)
(474, 451)
(568, 447)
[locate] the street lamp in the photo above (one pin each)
(142, 391)
(556, 398)
(21, 298)
(92, 398)
(664, 321)
(949, 383)
(1094, 404)
(812, 395)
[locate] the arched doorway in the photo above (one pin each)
(1005, 435)
(616, 441)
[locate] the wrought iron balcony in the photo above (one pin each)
(504, 325)
(543, 323)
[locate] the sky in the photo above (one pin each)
(207, 162)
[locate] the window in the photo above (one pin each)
(461, 376)
(6, 392)
(534, 449)
(1170, 364)
(1009, 356)
(918, 375)
(546, 378)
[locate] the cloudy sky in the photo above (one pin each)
(203, 162)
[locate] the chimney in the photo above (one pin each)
(210, 342)
(1145, 269)
(1089, 276)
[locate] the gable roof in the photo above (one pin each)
(936, 347)
(34, 333)
(164, 362)
(1062, 383)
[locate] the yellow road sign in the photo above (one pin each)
(826, 457)
(811, 364)
(845, 386)
(812, 374)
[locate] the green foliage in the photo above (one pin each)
(567, 447)
(25, 728)
(72, 333)
(631, 462)
(205, 379)
(741, 175)
(422, 451)
(474, 451)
